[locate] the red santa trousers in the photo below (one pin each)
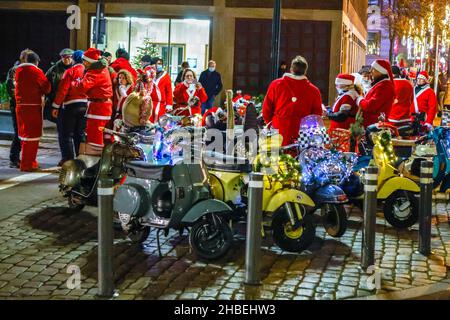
(29, 123)
(98, 116)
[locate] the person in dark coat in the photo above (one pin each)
(184, 66)
(14, 152)
(212, 82)
(54, 75)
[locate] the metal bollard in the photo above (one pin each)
(105, 193)
(425, 205)
(370, 211)
(254, 225)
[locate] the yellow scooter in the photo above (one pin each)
(284, 207)
(401, 206)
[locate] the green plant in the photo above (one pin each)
(4, 96)
(148, 48)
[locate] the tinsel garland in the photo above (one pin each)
(384, 141)
(287, 172)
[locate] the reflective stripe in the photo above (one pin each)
(29, 104)
(398, 121)
(255, 184)
(371, 176)
(93, 116)
(105, 191)
(54, 105)
(370, 188)
(95, 144)
(75, 101)
(426, 170)
(426, 180)
(30, 139)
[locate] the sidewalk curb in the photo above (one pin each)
(412, 293)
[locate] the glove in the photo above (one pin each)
(55, 110)
(169, 108)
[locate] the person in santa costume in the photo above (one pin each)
(31, 86)
(289, 99)
(162, 93)
(96, 84)
(381, 95)
(404, 95)
(122, 89)
(344, 110)
(69, 107)
(425, 100)
(122, 62)
(189, 95)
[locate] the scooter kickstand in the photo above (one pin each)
(158, 243)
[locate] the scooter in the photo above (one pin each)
(174, 194)
(398, 192)
(284, 206)
(79, 177)
(322, 172)
(437, 151)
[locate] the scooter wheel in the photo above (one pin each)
(292, 240)
(210, 239)
(74, 205)
(334, 219)
(401, 209)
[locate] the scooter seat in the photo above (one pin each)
(145, 170)
(222, 162)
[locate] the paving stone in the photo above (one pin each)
(7, 276)
(305, 292)
(23, 292)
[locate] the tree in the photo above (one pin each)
(419, 20)
(148, 48)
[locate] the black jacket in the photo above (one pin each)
(10, 84)
(212, 82)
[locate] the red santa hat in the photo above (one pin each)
(345, 79)
(92, 55)
(423, 75)
(384, 67)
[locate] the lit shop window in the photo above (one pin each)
(373, 43)
(174, 40)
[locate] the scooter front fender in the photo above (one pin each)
(329, 194)
(394, 184)
(205, 207)
(288, 195)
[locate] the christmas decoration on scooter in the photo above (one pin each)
(384, 140)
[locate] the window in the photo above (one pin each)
(373, 43)
(177, 40)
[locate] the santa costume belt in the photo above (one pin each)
(99, 100)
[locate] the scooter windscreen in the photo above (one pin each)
(312, 132)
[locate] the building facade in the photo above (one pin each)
(331, 34)
(378, 42)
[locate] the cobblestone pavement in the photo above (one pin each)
(38, 244)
